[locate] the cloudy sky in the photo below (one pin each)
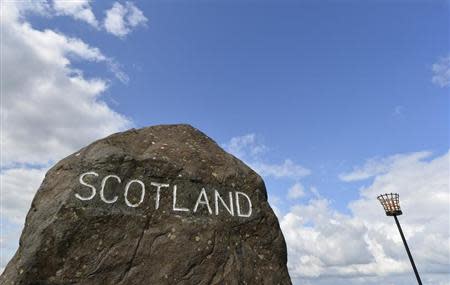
(332, 102)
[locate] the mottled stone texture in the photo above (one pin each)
(69, 241)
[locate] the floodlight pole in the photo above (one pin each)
(407, 250)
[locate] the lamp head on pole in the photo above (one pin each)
(390, 203)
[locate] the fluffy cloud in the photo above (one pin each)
(48, 104)
(245, 146)
(49, 109)
(364, 246)
(250, 150)
(321, 241)
(121, 19)
(79, 9)
(376, 166)
(18, 188)
(296, 191)
(285, 169)
(441, 72)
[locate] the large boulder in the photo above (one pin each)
(158, 205)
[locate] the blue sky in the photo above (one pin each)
(332, 86)
(325, 83)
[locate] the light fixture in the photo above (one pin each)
(391, 205)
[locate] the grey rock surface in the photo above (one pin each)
(209, 224)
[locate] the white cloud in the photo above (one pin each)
(18, 188)
(403, 279)
(441, 72)
(364, 246)
(250, 150)
(245, 146)
(49, 109)
(296, 191)
(9, 241)
(287, 169)
(121, 19)
(78, 9)
(376, 166)
(322, 241)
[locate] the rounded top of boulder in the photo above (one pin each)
(180, 150)
(158, 205)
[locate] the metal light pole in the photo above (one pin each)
(391, 205)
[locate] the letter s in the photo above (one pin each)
(82, 182)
